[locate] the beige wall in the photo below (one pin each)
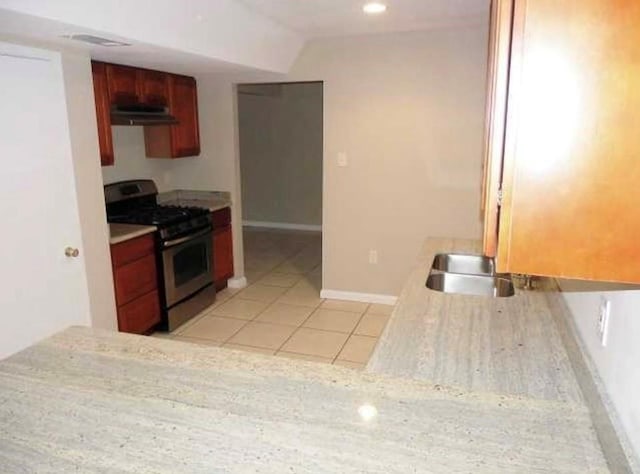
(408, 110)
(280, 133)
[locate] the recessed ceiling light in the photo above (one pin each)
(374, 7)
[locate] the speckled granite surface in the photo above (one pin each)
(212, 200)
(94, 401)
(503, 345)
(123, 232)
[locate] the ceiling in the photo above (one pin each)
(322, 18)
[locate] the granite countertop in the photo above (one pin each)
(212, 200)
(123, 232)
(88, 400)
(503, 345)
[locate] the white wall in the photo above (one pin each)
(618, 364)
(218, 32)
(280, 129)
(78, 84)
(86, 161)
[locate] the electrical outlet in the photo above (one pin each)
(603, 320)
(342, 159)
(373, 257)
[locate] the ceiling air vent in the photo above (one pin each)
(96, 40)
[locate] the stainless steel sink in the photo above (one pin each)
(458, 263)
(481, 285)
(468, 275)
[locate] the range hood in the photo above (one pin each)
(141, 115)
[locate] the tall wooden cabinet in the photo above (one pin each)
(562, 155)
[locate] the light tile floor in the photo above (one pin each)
(281, 312)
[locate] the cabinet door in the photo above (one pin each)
(123, 84)
(497, 83)
(185, 136)
(222, 256)
(103, 117)
(140, 315)
(154, 88)
(571, 173)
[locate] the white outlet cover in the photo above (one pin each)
(342, 159)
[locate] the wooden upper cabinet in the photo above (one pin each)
(153, 87)
(124, 84)
(182, 139)
(103, 117)
(570, 168)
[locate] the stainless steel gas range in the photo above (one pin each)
(183, 247)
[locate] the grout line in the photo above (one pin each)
(300, 325)
(349, 337)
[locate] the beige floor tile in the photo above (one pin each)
(266, 335)
(349, 364)
(358, 349)
(376, 308)
(315, 342)
(240, 347)
(371, 325)
(287, 314)
(312, 358)
(331, 320)
(301, 297)
(191, 322)
(196, 340)
(214, 329)
(161, 335)
(260, 292)
(341, 305)
(296, 266)
(239, 308)
(284, 280)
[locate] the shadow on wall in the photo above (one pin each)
(580, 286)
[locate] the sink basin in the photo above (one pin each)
(458, 263)
(481, 285)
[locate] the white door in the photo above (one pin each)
(42, 291)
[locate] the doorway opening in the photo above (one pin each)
(281, 151)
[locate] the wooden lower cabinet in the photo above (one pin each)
(222, 247)
(136, 285)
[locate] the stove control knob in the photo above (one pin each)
(71, 252)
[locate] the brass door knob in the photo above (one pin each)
(71, 252)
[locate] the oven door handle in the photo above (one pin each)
(173, 243)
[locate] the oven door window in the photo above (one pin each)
(190, 262)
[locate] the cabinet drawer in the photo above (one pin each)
(221, 217)
(131, 250)
(140, 315)
(135, 279)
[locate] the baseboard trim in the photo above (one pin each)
(282, 225)
(355, 296)
(237, 282)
